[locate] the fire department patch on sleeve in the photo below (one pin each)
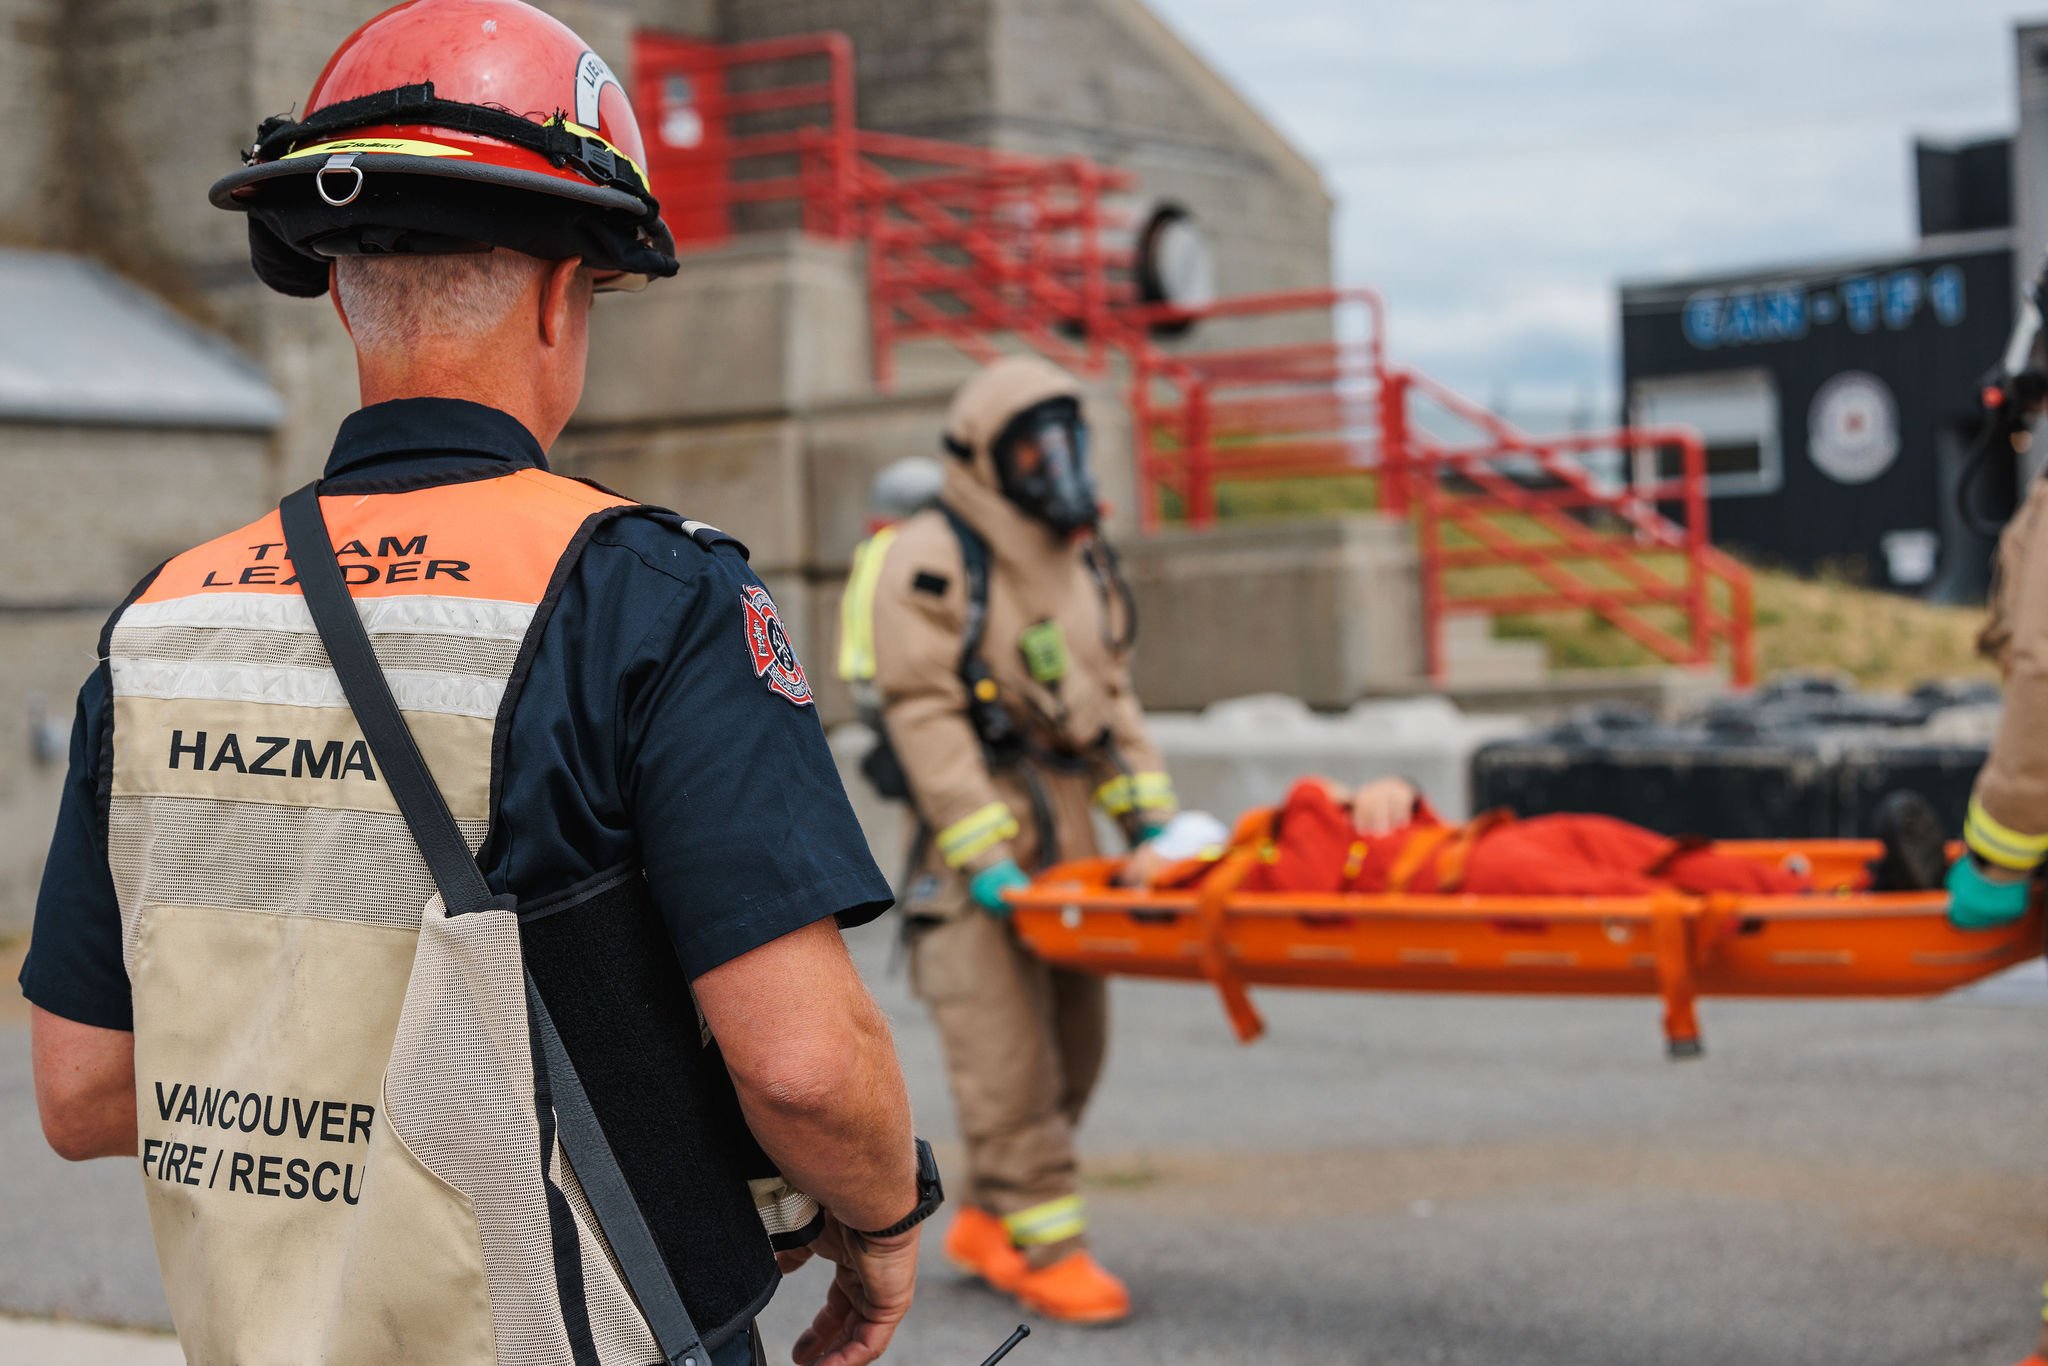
(775, 661)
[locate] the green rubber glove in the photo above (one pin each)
(988, 885)
(1975, 902)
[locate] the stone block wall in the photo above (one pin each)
(921, 68)
(1327, 611)
(88, 512)
(769, 323)
(33, 107)
(1108, 80)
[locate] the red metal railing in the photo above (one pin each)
(1483, 495)
(1532, 504)
(741, 129)
(965, 243)
(970, 245)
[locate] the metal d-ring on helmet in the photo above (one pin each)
(415, 143)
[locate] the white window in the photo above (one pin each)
(1736, 412)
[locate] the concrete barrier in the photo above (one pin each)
(1245, 752)
(1326, 609)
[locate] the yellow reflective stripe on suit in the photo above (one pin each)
(857, 608)
(1136, 792)
(1055, 1221)
(2000, 844)
(972, 836)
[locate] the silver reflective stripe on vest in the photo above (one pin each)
(341, 1146)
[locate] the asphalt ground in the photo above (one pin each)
(1466, 1181)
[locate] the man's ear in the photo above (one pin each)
(558, 292)
(334, 296)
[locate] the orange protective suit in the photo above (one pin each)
(1313, 846)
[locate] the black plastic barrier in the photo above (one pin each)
(1804, 758)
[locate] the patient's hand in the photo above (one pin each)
(1142, 866)
(1383, 805)
(1189, 835)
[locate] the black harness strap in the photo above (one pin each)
(991, 720)
(418, 104)
(463, 890)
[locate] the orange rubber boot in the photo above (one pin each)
(1075, 1289)
(978, 1244)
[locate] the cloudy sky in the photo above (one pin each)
(1499, 164)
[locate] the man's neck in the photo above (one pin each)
(478, 384)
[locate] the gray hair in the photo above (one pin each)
(400, 302)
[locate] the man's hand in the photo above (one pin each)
(871, 1291)
(988, 885)
(1383, 806)
(1983, 897)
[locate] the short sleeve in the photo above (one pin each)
(744, 827)
(74, 966)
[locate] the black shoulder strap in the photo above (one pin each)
(463, 890)
(974, 556)
(460, 882)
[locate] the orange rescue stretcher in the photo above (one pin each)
(1834, 941)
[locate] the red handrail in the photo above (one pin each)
(968, 245)
(1337, 409)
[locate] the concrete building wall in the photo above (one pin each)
(1107, 79)
(920, 68)
(1099, 78)
(88, 512)
(31, 109)
(1327, 611)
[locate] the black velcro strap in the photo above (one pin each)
(591, 158)
(974, 558)
(463, 889)
(611, 1200)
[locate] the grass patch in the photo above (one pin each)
(1826, 623)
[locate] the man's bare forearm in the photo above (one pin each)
(815, 1068)
(85, 1086)
(845, 1138)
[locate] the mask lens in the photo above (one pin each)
(1045, 471)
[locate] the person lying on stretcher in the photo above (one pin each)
(1384, 837)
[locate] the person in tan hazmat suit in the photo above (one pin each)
(2005, 834)
(2006, 831)
(1001, 636)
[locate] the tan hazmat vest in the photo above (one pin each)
(343, 1153)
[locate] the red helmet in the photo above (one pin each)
(453, 125)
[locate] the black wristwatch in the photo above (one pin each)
(930, 1195)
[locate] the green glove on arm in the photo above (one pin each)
(988, 885)
(1977, 902)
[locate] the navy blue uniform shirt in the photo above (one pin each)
(643, 735)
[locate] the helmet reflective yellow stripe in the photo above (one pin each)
(857, 608)
(1054, 1221)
